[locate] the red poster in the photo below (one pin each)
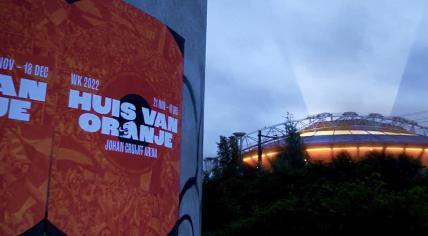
(90, 114)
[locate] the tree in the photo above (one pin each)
(378, 194)
(229, 163)
(294, 154)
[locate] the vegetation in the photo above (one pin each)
(229, 163)
(293, 155)
(377, 194)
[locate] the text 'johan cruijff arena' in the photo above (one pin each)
(326, 135)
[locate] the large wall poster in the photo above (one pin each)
(90, 114)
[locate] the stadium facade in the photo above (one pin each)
(326, 135)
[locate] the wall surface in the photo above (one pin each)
(103, 135)
(188, 19)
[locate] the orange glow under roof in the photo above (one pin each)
(327, 153)
(350, 132)
(317, 149)
(254, 157)
(345, 148)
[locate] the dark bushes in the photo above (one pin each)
(377, 194)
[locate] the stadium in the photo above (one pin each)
(325, 135)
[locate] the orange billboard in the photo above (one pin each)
(90, 114)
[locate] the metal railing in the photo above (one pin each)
(322, 121)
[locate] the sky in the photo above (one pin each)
(269, 57)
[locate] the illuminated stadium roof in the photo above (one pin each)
(326, 134)
(336, 127)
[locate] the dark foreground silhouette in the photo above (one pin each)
(378, 194)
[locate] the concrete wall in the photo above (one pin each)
(188, 19)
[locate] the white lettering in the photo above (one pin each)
(146, 133)
(128, 111)
(18, 110)
(160, 121)
(33, 90)
(75, 99)
(159, 139)
(98, 107)
(6, 63)
(89, 122)
(130, 130)
(110, 126)
(172, 124)
(149, 116)
(6, 85)
(4, 106)
(168, 139)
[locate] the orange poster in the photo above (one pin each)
(90, 118)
